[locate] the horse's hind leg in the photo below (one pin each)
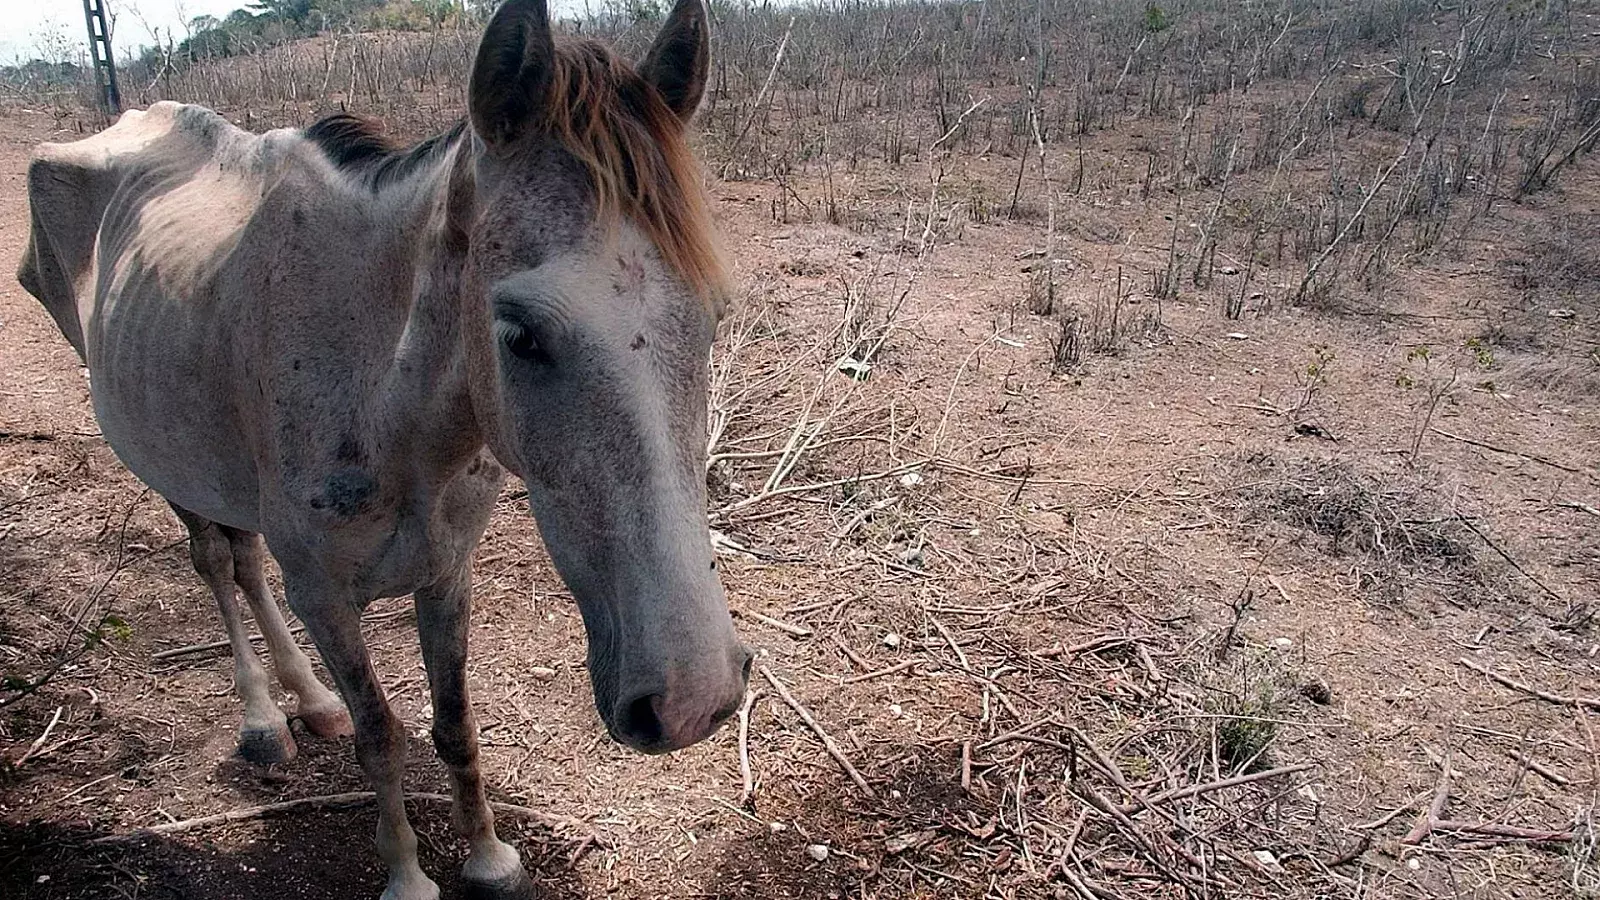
(264, 736)
(319, 707)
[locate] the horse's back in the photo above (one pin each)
(167, 249)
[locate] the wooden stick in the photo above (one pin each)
(1550, 592)
(867, 676)
(1506, 450)
(827, 739)
(1538, 768)
(38, 742)
(1580, 507)
(785, 627)
(1431, 817)
(1391, 815)
(1514, 832)
(1103, 641)
(1031, 726)
(208, 646)
(951, 640)
(854, 657)
(1558, 699)
(820, 486)
(745, 777)
(294, 629)
(1194, 790)
(326, 801)
(966, 767)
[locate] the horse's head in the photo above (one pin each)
(590, 283)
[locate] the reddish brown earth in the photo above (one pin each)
(1188, 493)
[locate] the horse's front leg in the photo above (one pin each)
(493, 869)
(334, 623)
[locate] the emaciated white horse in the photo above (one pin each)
(315, 338)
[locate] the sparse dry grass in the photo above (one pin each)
(1051, 621)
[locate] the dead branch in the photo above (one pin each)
(1521, 454)
(1435, 812)
(38, 742)
(879, 673)
(761, 98)
(747, 791)
(1580, 507)
(208, 646)
(1473, 527)
(855, 658)
(1510, 832)
(827, 739)
(1538, 768)
(785, 627)
(1195, 790)
(1558, 699)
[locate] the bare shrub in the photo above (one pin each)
(1390, 525)
(1067, 349)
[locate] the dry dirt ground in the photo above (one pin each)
(1228, 547)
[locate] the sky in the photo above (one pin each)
(30, 28)
(44, 28)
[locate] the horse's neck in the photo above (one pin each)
(424, 396)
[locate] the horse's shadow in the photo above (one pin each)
(310, 854)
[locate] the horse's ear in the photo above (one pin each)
(680, 59)
(511, 75)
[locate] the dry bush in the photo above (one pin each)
(1242, 103)
(869, 312)
(1104, 326)
(1391, 527)
(1545, 337)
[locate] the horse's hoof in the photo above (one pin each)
(516, 886)
(267, 746)
(417, 886)
(327, 721)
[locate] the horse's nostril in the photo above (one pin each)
(640, 723)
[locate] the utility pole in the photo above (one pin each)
(105, 71)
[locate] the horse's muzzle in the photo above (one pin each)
(688, 711)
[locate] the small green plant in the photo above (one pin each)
(1482, 354)
(110, 627)
(1421, 371)
(1312, 379)
(1416, 357)
(1243, 737)
(1249, 707)
(1156, 19)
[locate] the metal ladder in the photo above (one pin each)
(105, 71)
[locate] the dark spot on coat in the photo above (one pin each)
(299, 216)
(638, 342)
(345, 492)
(349, 451)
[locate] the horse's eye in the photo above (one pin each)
(519, 340)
